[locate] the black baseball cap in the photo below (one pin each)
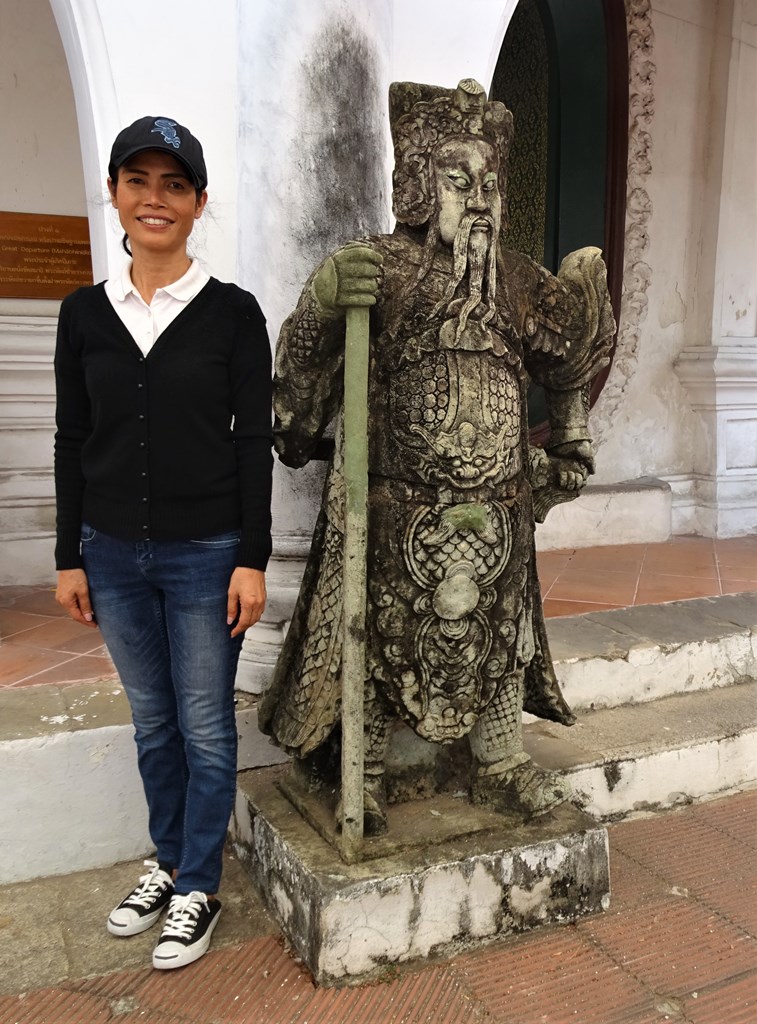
(161, 133)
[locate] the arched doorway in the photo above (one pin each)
(563, 71)
(43, 183)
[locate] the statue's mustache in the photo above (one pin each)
(471, 218)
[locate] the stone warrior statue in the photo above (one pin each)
(455, 629)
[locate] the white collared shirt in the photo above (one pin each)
(146, 323)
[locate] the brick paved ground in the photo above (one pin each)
(677, 945)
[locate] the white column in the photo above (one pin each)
(721, 377)
(313, 84)
(27, 414)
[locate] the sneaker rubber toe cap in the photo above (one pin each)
(125, 921)
(175, 954)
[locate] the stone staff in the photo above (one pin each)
(354, 578)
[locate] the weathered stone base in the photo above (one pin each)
(456, 891)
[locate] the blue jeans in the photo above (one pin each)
(161, 607)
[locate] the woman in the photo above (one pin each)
(163, 478)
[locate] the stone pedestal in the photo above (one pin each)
(452, 877)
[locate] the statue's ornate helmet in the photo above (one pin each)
(423, 116)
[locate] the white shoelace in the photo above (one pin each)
(150, 886)
(183, 912)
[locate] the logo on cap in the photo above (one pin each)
(166, 129)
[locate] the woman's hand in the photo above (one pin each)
(246, 598)
(72, 593)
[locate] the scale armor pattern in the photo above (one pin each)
(497, 735)
(421, 397)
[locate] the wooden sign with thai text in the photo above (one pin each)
(43, 256)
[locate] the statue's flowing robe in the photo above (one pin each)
(454, 608)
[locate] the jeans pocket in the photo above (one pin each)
(87, 533)
(221, 540)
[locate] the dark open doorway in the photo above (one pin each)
(563, 71)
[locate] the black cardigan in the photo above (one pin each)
(175, 445)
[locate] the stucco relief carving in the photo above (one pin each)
(636, 271)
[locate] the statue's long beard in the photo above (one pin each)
(474, 253)
(480, 258)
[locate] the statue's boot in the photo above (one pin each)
(376, 738)
(504, 776)
(375, 821)
(524, 788)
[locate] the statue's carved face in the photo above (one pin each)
(465, 174)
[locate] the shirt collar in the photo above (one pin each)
(189, 285)
(182, 290)
(121, 286)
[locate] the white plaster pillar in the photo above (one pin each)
(313, 81)
(27, 412)
(721, 376)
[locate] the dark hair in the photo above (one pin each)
(125, 239)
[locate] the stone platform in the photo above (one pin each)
(467, 876)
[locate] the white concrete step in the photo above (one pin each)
(72, 799)
(634, 512)
(649, 756)
(632, 655)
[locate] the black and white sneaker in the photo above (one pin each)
(144, 905)
(187, 930)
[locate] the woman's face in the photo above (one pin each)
(156, 201)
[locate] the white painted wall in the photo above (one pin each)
(686, 415)
(278, 125)
(284, 129)
(719, 371)
(654, 432)
(735, 300)
(296, 204)
(40, 154)
(441, 43)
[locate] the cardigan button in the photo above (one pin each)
(145, 527)
(144, 499)
(141, 416)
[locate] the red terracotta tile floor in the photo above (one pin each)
(38, 644)
(597, 579)
(678, 944)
